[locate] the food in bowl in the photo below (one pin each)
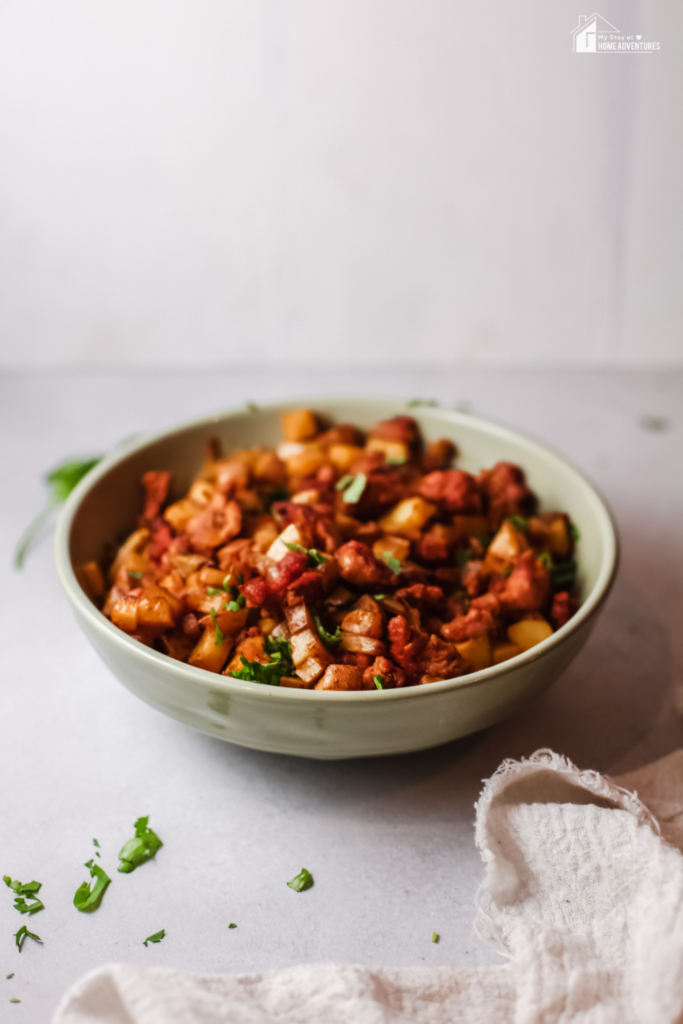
(341, 561)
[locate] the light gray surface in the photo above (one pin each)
(389, 841)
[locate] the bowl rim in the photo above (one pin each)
(210, 680)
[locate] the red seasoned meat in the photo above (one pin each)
(156, 484)
(358, 565)
(400, 428)
(507, 491)
(392, 676)
(215, 525)
(453, 489)
(528, 587)
(477, 622)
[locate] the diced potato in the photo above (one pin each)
(307, 462)
(476, 652)
(208, 654)
(298, 618)
(310, 497)
(174, 583)
(408, 517)
(132, 546)
(230, 623)
(252, 649)
(154, 612)
(505, 548)
(180, 513)
(270, 468)
(503, 652)
(299, 425)
(92, 578)
(559, 537)
(468, 526)
(267, 625)
(265, 536)
(363, 622)
(309, 654)
(186, 564)
(201, 492)
(394, 451)
(529, 632)
(211, 577)
(361, 644)
(123, 612)
(341, 677)
(293, 682)
(342, 456)
(399, 547)
(278, 549)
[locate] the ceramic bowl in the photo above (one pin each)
(104, 508)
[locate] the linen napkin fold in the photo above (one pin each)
(583, 893)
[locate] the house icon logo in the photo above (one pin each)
(586, 32)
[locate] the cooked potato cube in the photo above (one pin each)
(529, 632)
(394, 451)
(180, 513)
(363, 622)
(309, 654)
(299, 425)
(341, 677)
(476, 652)
(560, 543)
(342, 456)
(208, 654)
(230, 623)
(505, 548)
(252, 649)
(123, 612)
(132, 546)
(408, 517)
(265, 536)
(503, 652)
(362, 644)
(298, 618)
(310, 497)
(201, 492)
(399, 547)
(307, 462)
(278, 549)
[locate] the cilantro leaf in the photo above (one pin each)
(236, 606)
(86, 899)
(304, 880)
(135, 574)
(392, 562)
(519, 522)
(395, 460)
(15, 1000)
(140, 849)
(157, 937)
(232, 925)
(507, 571)
(380, 597)
(563, 574)
(378, 681)
(220, 638)
(576, 532)
(95, 843)
(10, 975)
(435, 937)
(414, 402)
(61, 481)
(352, 487)
(215, 591)
(280, 653)
(546, 559)
(21, 888)
(22, 934)
(331, 639)
(463, 556)
(23, 907)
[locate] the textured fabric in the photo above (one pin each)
(582, 894)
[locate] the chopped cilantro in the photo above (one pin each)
(304, 880)
(331, 639)
(87, 899)
(232, 925)
(95, 843)
(251, 407)
(507, 571)
(10, 975)
(280, 653)
(215, 591)
(563, 574)
(135, 574)
(157, 937)
(22, 935)
(655, 424)
(414, 402)
(139, 849)
(546, 559)
(23, 907)
(352, 487)
(392, 562)
(395, 460)
(380, 597)
(220, 638)
(278, 494)
(435, 937)
(236, 606)
(21, 888)
(15, 1000)
(576, 532)
(463, 556)
(519, 522)
(240, 578)
(378, 681)
(315, 557)
(61, 482)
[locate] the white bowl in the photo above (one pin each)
(104, 508)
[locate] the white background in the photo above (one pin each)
(192, 182)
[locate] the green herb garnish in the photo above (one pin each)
(220, 638)
(139, 849)
(435, 937)
(10, 975)
(378, 681)
(392, 562)
(395, 460)
(279, 651)
(61, 482)
(352, 487)
(15, 1000)
(380, 597)
(546, 559)
(315, 557)
(331, 639)
(576, 532)
(135, 574)
(655, 424)
(236, 606)
(231, 925)
(22, 888)
(95, 843)
(563, 574)
(251, 407)
(87, 899)
(304, 880)
(215, 591)
(157, 937)
(519, 522)
(278, 494)
(22, 935)
(507, 571)
(463, 556)
(23, 907)
(414, 402)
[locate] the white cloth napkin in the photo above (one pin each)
(583, 893)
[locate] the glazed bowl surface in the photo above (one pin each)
(104, 508)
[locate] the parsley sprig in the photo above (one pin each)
(23, 934)
(140, 849)
(304, 880)
(352, 487)
(21, 890)
(86, 899)
(279, 651)
(61, 481)
(157, 937)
